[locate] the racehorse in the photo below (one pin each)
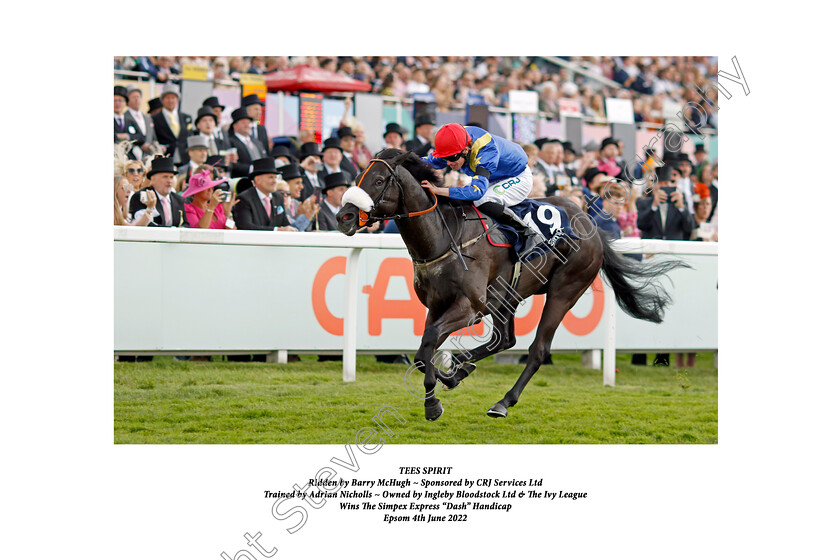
(460, 281)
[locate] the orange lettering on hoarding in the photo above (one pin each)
(581, 326)
(330, 323)
(524, 325)
(380, 308)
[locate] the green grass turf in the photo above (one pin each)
(168, 401)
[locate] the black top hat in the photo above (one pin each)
(425, 118)
(238, 170)
(591, 173)
(607, 141)
(683, 157)
(333, 180)
(155, 104)
(699, 148)
(121, 91)
(539, 142)
(345, 131)
(279, 150)
(216, 161)
(262, 166)
(206, 111)
(252, 99)
(393, 127)
(162, 165)
(664, 173)
(213, 102)
(239, 114)
(331, 143)
(291, 171)
(567, 147)
(309, 149)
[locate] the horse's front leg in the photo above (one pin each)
(456, 317)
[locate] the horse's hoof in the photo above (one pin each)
(497, 411)
(460, 373)
(434, 412)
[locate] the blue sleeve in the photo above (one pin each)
(473, 191)
(301, 222)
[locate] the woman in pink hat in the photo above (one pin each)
(206, 207)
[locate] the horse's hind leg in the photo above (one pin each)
(457, 316)
(560, 298)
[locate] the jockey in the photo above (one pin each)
(499, 168)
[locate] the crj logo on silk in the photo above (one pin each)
(380, 308)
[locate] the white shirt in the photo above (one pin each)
(313, 178)
(138, 116)
(332, 208)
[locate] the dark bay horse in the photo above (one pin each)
(456, 298)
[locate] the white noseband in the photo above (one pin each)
(358, 198)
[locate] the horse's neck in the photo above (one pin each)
(424, 235)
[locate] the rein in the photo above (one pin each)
(365, 218)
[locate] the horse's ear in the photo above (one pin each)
(401, 159)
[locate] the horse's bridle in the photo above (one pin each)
(365, 218)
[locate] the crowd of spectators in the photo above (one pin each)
(308, 177)
(650, 82)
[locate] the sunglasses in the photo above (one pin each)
(454, 157)
(134, 171)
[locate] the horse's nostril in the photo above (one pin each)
(346, 217)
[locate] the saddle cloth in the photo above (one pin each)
(549, 221)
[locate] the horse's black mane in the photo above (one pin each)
(413, 163)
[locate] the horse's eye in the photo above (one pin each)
(379, 181)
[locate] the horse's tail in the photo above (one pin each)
(635, 284)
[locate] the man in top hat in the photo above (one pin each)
(545, 163)
(197, 148)
(347, 138)
(393, 136)
(570, 163)
(247, 148)
(300, 211)
(169, 210)
(144, 121)
(282, 155)
(424, 131)
(684, 182)
(125, 128)
(254, 107)
(205, 123)
(171, 125)
(311, 162)
(333, 158)
(257, 208)
(155, 107)
(663, 215)
(335, 185)
(220, 131)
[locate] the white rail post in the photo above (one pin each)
(609, 334)
(351, 306)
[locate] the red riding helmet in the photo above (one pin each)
(451, 139)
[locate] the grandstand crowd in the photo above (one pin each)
(179, 170)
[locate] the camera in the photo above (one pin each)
(144, 197)
(226, 196)
(668, 191)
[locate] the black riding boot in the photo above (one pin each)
(507, 217)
